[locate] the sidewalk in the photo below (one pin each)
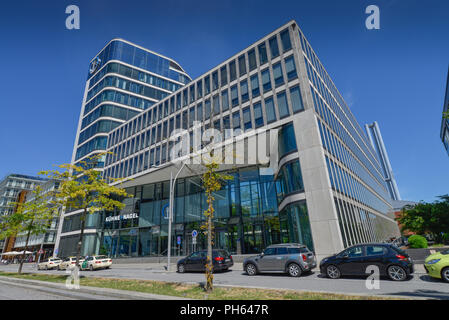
(112, 293)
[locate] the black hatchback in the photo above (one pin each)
(196, 261)
(391, 261)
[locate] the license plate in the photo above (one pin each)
(227, 260)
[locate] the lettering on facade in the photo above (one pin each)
(122, 217)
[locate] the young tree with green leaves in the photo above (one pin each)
(83, 187)
(212, 182)
(32, 217)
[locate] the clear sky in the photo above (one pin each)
(395, 76)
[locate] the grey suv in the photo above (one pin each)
(292, 258)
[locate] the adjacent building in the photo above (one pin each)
(444, 132)
(303, 169)
(378, 145)
(123, 80)
(10, 188)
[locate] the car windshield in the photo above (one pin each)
(398, 250)
(445, 252)
(101, 257)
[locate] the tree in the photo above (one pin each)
(32, 217)
(427, 218)
(212, 182)
(83, 187)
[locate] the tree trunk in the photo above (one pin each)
(209, 265)
(80, 242)
(26, 247)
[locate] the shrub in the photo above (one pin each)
(417, 241)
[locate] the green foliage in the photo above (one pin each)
(427, 218)
(83, 187)
(417, 241)
(212, 182)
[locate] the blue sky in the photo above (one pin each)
(395, 76)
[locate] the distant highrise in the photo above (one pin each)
(444, 133)
(378, 144)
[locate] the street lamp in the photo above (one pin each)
(170, 206)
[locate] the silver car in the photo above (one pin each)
(291, 258)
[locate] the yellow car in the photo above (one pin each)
(437, 265)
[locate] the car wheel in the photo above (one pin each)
(333, 272)
(445, 274)
(91, 268)
(396, 273)
(294, 270)
(181, 268)
(251, 269)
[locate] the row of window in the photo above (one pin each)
(132, 73)
(106, 110)
(118, 97)
(221, 101)
(337, 104)
(122, 51)
(244, 120)
(360, 226)
(341, 181)
(98, 143)
(131, 86)
(101, 126)
(338, 150)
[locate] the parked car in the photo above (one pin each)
(70, 261)
(48, 264)
(291, 258)
(437, 265)
(96, 262)
(392, 261)
(221, 261)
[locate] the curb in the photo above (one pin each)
(113, 293)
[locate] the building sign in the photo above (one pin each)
(122, 217)
(94, 65)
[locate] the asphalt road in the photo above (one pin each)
(420, 285)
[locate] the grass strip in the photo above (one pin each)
(195, 291)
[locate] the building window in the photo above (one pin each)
(282, 105)
(224, 76)
(269, 110)
(215, 80)
(262, 53)
(277, 74)
(236, 120)
(258, 115)
(255, 85)
(266, 83)
(274, 49)
(242, 65)
(244, 90)
(199, 112)
(234, 96)
(252, 59)
(285, 39)
(199, 89)
(192, 93)
(224, 100)
(226, 122)
(232, 71)
(207, 109)
(296, 99)
(216, 104)
(206, 85)
(247, 119)
(290, 68)
(286, 140)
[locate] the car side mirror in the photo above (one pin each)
(262, 254)
(345, 256)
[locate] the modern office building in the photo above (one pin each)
(123, 80)
(378, 145)
(10, 187)
(444, 132)
(44, 241)
(316, 178)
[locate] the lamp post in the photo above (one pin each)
(170, 207)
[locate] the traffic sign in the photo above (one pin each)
(41, 251)
(194, 233)
(178, 240)
(194, 240)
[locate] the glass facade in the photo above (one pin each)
(246, 216)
